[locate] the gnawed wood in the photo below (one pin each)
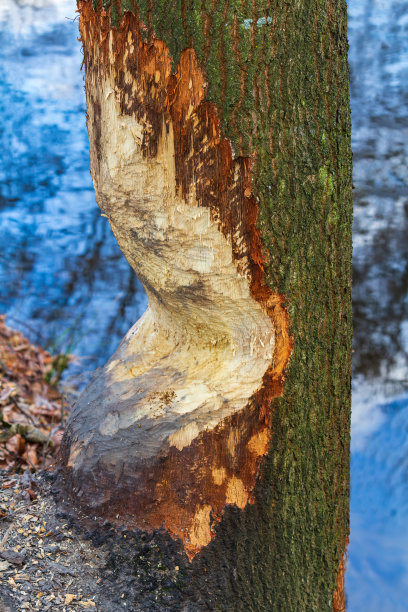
(174, 427)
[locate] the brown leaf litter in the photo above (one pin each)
(32, 410)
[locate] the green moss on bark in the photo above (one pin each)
(277, 72)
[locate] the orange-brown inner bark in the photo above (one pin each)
(339, 597)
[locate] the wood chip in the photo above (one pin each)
(21, 577)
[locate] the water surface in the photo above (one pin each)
(377, 577)
(63, 279)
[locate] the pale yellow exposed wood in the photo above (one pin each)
(204, 342)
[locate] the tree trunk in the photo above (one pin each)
(220, 153)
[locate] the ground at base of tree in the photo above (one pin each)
(43, 565)
(46, 563)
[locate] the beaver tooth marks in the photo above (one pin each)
(173, 427)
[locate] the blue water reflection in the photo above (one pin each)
(64, 281)
(62, 276)
(377, 574)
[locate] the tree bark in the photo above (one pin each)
(220, 153)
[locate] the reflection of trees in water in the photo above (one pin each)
(88, 298)
(381, 301)
(100, 273)
(379, 94)
(62, 276)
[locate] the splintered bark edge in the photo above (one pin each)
(174, 427)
